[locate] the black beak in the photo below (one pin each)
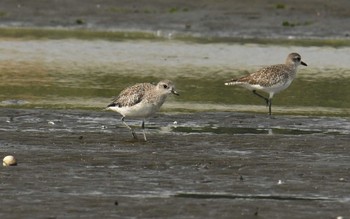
(303, 63)
(175, 92)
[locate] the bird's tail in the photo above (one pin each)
(105, 109)
(232, 82)
(108, 107)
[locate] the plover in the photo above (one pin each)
(271, 79)
(141, 101)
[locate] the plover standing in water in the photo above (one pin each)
(271, 79)
(141, 101)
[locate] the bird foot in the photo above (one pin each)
(134, 135)
(267, 102)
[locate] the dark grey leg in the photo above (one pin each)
(267, 100)
(261, 96)
(270, 104)
(143, 129)
(132, 130)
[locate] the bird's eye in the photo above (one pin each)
(165, 86)
(298, 59)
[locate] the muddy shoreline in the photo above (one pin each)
(203, 165)
(253, 19)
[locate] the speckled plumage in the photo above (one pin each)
(133, 95)
(269, 76)
(141, 100)
(271, 79)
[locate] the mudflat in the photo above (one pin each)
(202, 165)
(228, 18)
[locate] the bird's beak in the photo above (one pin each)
(175, 92)
(303, 63)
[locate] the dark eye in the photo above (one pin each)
(297, 59)
(165, 86)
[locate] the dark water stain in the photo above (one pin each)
(222, 130)
(245, 197)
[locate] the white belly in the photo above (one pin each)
(142, 110)
(278, 87)
(271, 90)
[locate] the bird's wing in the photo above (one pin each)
(266, 76)
(130, 96)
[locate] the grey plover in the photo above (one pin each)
(271, 79)
(141, 101)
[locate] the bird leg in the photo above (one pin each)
(267, 100)
(143, 129)
(132, 130)
(261, 96)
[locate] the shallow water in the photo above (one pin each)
(87, 74)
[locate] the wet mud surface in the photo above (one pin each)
(208, 18)
(204, 165)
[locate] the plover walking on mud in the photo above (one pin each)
(141, 101)
(271, 79)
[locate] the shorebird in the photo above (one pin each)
(271, 79)
(141, 101)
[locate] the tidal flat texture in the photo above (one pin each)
(74, 164)
(205, 18)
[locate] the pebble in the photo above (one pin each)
(51, 122)
(342, 179)
(9, 161)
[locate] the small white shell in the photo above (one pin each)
(9, 161)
